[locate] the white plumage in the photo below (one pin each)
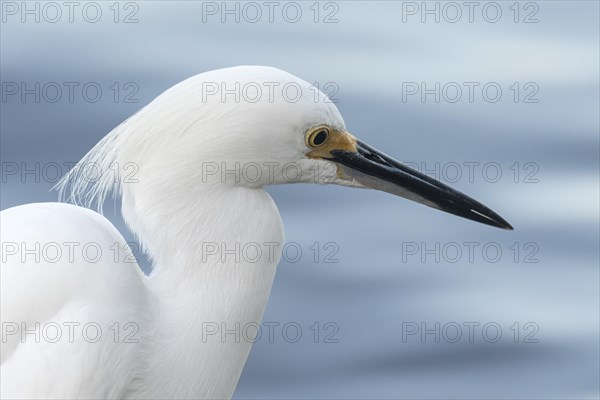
(171, 204)
(151, 343)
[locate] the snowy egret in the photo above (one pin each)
(80, 320)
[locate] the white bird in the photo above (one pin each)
(80, 320)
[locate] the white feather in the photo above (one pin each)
(174, 209)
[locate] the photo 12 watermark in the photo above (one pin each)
(253, 12)
(53, 12)
(254, 252)
(454, 12)
(469, 332)
(271, 92)
(69, 92)
(70, 332)
(475, 252)
(525, 172)
(270, 332)
(52, 171)
(489, 92)
(266, 172)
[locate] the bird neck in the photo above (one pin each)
(208, 284)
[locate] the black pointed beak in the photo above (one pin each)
(371, 168)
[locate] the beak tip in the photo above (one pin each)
(499, 222)
(508, 226)
(484, 215)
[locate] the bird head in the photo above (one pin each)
(256, 126)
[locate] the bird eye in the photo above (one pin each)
(317, 137)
